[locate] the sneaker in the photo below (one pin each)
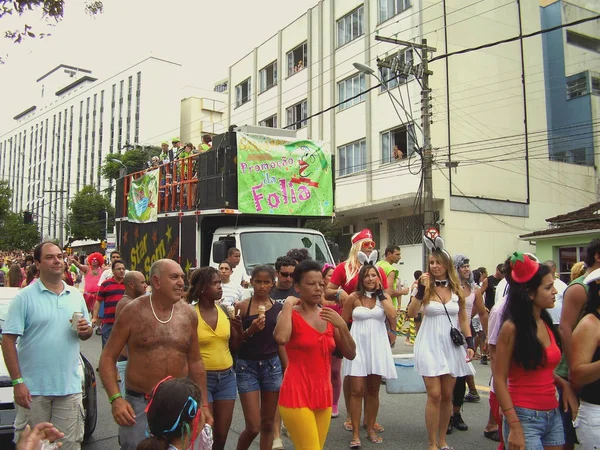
(334, 412)
(277, 444)
(484, 360)
(458, 422)
(472, 398)
(449, 430)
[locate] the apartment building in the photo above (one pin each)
(504, 157)
(51, 149)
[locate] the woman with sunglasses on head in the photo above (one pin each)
(369, 308)
(527, 352)
(175, 420)
(310, 333)
(216, 333)
(336, 356)
(440, 354)
(343, 282)
(259, 366)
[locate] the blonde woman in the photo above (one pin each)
(578, 270)
(439, 359)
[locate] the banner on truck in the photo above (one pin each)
(284, 176)
(142, 202)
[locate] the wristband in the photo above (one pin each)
(394, 332)
(508, 409)
(470, 342)
(205, 406)
(337, 295)
(114, 397)
(17, 381)
(514, 421)
(420, 292)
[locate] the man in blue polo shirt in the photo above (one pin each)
(44, 364)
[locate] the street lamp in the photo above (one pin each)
(364, 69)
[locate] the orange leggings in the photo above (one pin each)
(307, 428)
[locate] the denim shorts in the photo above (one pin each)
(221, 385)
(263, 375)
(540, 428)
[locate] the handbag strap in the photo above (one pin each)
(444, 305)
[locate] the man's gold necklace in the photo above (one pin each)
(156, 317)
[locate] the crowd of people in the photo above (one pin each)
(179, 351)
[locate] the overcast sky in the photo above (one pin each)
(205, 36)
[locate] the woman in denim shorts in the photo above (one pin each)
(527, 352)
(258, 368)
(216, 333)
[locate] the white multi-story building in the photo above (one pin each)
(502, 160)
(56, 146)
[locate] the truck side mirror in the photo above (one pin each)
(219, 251)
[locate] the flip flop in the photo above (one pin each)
(348, 426)
(446, 447)
(493, 435)
(355, 443)
(376, 427)
(375, 439)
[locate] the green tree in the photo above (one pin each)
(86, 219)
(5, 196)
(135, 159)
(50, 9)
(16, 235)
(331, 229)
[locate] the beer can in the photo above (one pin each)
(75, 321)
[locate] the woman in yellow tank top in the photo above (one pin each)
(217, 333)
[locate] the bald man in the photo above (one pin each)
(135, 286)
(161, 335)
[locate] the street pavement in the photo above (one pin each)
(402, 415)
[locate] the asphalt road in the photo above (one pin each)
(403, 417)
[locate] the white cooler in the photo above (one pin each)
(408, 381)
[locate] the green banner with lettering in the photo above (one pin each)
(284, 176)
(142, 201)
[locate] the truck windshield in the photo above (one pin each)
(264, 247)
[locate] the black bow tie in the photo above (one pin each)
(443, 283)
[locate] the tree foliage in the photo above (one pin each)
(86, 217)
(135, 159)
(14, 234)
(50, 9)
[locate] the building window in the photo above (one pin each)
(567, 257)
(297, 59)
(595, 86)
(350, 26)
(352, 158)
(138, 93)
(112, 118)
(270, 122)
(397, 144)
(389, 8)
(129, 98)
(268, 77)
(348, 90)
(222, 87)
(577, 86)
(393, 79)
(583, 41)
(242, 92)
(296, 115)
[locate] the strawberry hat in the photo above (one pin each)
(362, 235)
(523, 268)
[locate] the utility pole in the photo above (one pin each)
(421, 72)
(61, 222)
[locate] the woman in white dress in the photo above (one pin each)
(369, 308)
(437, 358)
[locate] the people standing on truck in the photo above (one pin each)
(135, 286)
(176, 148)
(371, 311)
(310, 334)
(206, 143)
(232, 293)
(284, 286)
(109, 294)
(343, 283)
(217, 333)
(239, 276)
(161, 334)
(259, 367)
(40, 318)
(91, 276)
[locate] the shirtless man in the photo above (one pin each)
(160, 332)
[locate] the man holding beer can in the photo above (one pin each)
(50, 317)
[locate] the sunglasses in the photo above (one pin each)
(286, 274)
(368, 244)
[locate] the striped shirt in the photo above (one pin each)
(110, 293)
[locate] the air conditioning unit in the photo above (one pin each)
(348, 230)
